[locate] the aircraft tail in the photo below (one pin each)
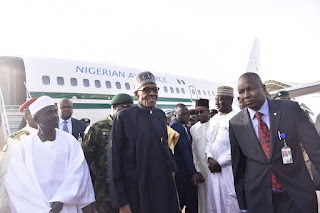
(254, 64)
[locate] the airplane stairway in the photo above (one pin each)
(14, 117)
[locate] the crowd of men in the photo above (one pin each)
(139, 160)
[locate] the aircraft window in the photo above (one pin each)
(182, 90)
(165, 89)
(193, 92)
(46, 80)
(177, 90)
(171, 90)
(204, 92)
(127, 85)
(60, 81)
(108, 84)
(199, 92)
(86, 83)
(73, 82)
(118, 85)
(209, 92)
(97, 83)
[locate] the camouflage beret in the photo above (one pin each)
(121, 99)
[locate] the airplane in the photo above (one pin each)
(90, 85)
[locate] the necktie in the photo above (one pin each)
(190, 138)
(189, 134)
(264, 137)
(65, 127)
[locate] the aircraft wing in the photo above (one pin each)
(301, 90)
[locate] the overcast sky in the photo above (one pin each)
(207, 39)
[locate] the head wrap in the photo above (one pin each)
(26, 104)
(121, 98)
(225, 91)
(202, 102)
(279, 94)
(142, 79)
(40, 103)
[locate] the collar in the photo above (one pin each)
(146, 110)
(61, 120)
(109, 120)
(30, 129)
(264, 110)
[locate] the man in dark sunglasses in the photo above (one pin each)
(140, 164)
(199, 141)
(95, 145)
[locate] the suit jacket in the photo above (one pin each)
(78, 127)
(252, 170)
(183, 155)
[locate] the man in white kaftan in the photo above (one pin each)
(42, 173)
(199, 141)
(221, 193)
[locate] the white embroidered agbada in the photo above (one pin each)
(43, 172)
(221, 193)
(199, 141)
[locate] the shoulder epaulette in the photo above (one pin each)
(17, 134)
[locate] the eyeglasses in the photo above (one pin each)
(147, 90)
(200, 111)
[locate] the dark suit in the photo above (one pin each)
(183, 156)
(252, 170)
(78, 127)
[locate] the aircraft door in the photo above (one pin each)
(193, 93)
(12, 80)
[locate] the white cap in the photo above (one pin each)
(40, 103)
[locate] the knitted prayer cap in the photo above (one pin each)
(121, 98)
(225, 91)
(202, 102)
(142, 79)
(26, 104)
(40, 103)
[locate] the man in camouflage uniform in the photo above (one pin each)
(95, 145)
(9, 144)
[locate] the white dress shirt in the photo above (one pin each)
(69, 124)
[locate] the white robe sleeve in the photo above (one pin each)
(225, 160)
(207, 150)
(77, 186)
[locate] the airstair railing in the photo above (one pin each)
(4, 118)
(28, 93)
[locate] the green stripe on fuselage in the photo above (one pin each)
(97, 96)
(105, 97)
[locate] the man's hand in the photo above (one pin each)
(213, 166)
(91, 208)
(56, 207)
(125, 209)
(202, 179)
(195, 179)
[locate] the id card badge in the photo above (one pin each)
(286, 155)
(285, 151)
